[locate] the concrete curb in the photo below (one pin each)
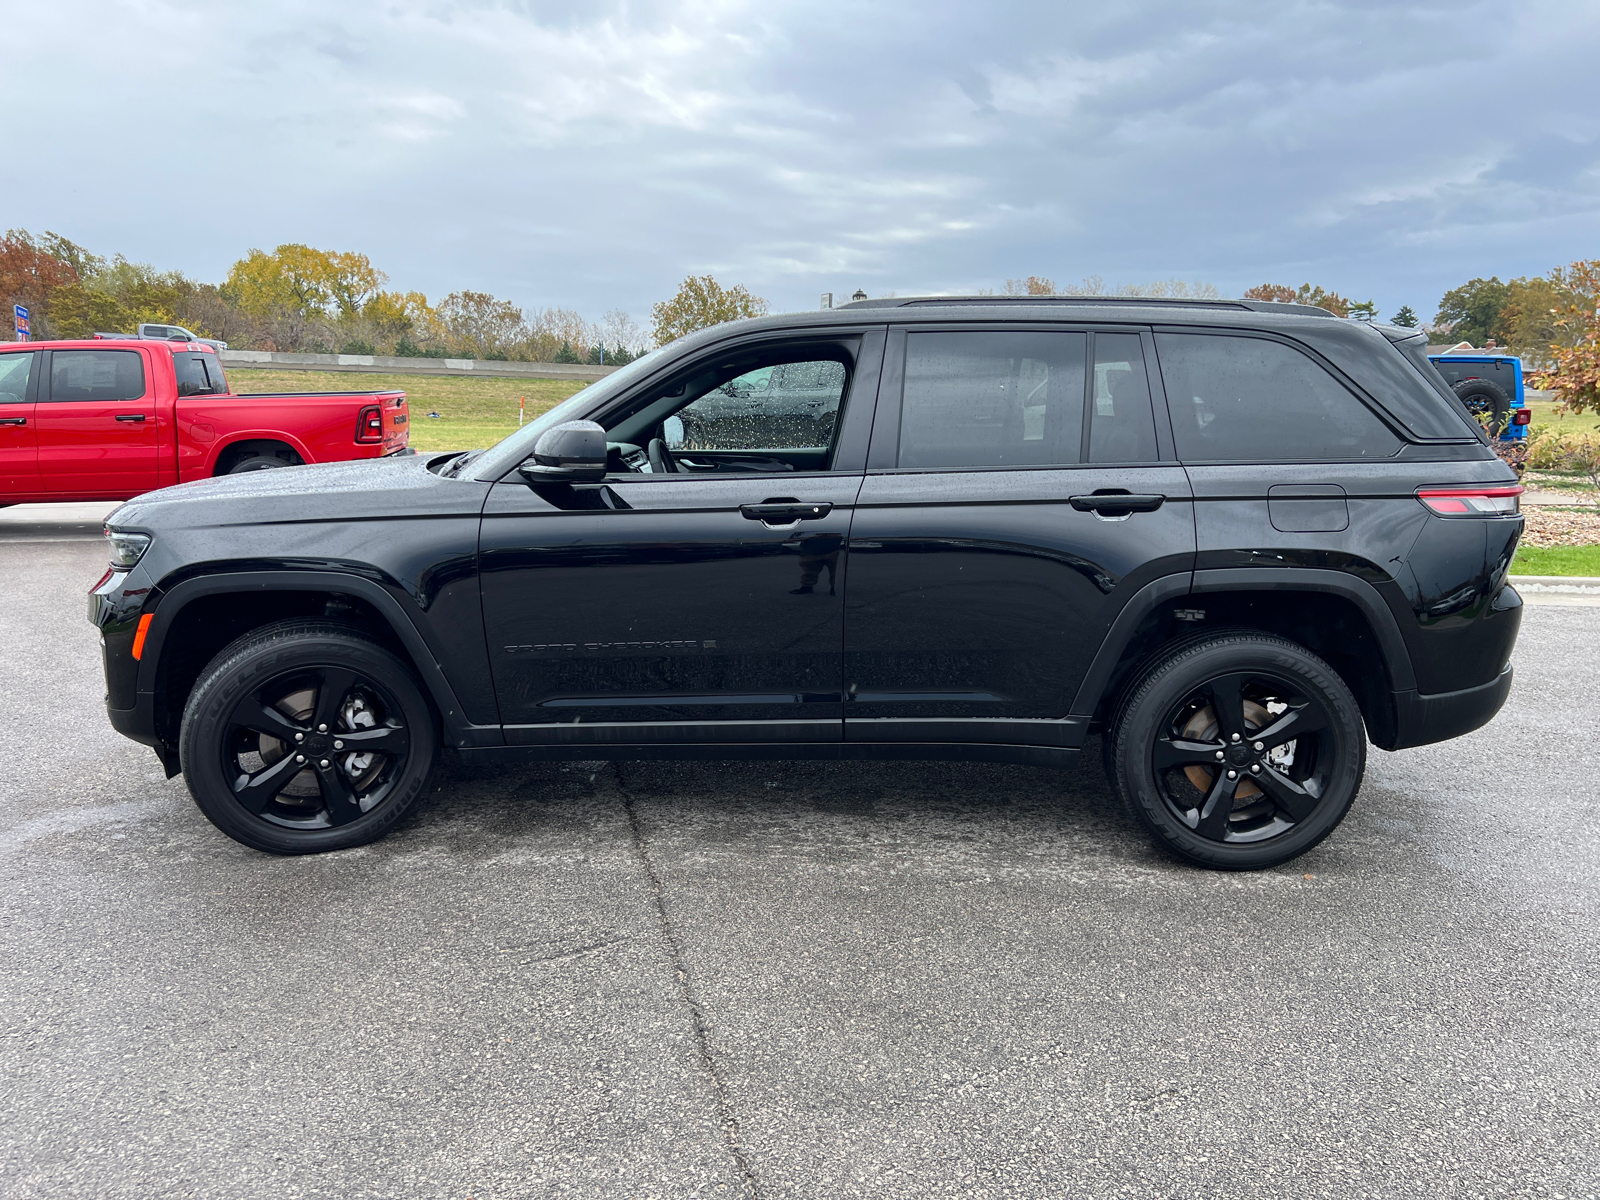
(1580, 590)
(1588, 585)
(376, 364)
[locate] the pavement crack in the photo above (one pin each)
(669, 936)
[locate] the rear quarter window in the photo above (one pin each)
(199, 374)
(1249, 399)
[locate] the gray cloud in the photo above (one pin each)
(591, 155)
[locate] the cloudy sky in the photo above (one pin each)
(592, 154)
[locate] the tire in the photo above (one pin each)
(318, 680)
(1188, 708)
(1487, 402)
(259, 462)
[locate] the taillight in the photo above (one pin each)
(1522, 416)
(369, 425)
(1498, 501)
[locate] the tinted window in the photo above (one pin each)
(197, 376)
(1121, 425)
(787, 406)
(1502, 373)
(96, 375)
(14, 372)
(992, 399)
(1242, 399)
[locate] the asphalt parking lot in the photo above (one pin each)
(787, 979)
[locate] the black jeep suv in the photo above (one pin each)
(1235, 539)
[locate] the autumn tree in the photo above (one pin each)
(1171, 289)
(1033, 285)
(700, 303)
(301, 280)
(1314, 296)
(1575, 375)
(481, 326)
(33, 269)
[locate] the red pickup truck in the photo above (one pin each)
(84, 421)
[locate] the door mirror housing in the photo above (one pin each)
(572, 452)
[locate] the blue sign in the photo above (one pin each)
(21, 314)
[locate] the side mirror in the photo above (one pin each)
(572, 452)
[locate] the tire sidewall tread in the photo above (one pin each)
(249, 661)
(1180, 668)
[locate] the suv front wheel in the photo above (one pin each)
(305, 736)
(1238, 751)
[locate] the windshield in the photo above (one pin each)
(511, 450)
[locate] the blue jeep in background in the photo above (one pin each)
(1490, 385)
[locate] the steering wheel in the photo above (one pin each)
(661, 460)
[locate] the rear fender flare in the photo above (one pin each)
(222, 445)
(1244, 579)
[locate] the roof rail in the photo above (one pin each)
(1302, 310)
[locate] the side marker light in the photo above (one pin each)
(139, 634)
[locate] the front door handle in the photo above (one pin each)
(1109, 504)
(13, 420)
(130, 416)
(784, 511)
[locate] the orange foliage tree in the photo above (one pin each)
(1575, 375)
(32, 269)
(1316, 297)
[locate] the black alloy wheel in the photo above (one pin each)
(315, 749)
(306, 736)
(1240, 751)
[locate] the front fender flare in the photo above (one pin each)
(459, 731)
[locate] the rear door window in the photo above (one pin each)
(1248, 399)
(995, 399)
(1502, 373)
(96, 375)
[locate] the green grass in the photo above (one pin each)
(1557, 560)
(1544, 413)
(472, 412)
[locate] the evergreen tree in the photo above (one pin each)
(1405, 318)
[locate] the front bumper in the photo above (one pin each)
(1422, 719)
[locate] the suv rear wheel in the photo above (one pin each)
(1238, 751)
(305, 736)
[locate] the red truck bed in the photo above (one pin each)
(85, 420)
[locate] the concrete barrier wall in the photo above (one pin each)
(379, 364)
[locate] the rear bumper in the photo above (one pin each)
(1421, 719)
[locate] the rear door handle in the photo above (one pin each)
(130, 416)
(784, 512)
(13, 420)
(1116, 503)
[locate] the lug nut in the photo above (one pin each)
(1233, 774)
(1220, 756)
(299, 758)
(338, 745)
(1236, 737)
(299, 737)
(1261, 745)
(1256, 769)
(324, 729)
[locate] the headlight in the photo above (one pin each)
(126, 547)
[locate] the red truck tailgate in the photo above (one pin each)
(396, 421)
